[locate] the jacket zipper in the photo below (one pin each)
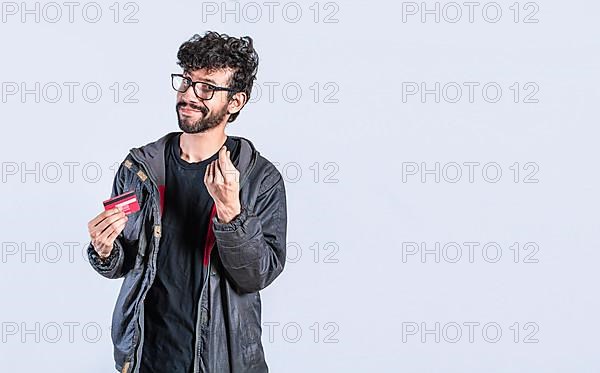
(134, 365)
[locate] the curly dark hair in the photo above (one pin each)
(217, 51)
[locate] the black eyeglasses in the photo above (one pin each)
(203, 91)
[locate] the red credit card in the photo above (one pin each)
(126, 201)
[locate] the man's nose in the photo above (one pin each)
(190, 96)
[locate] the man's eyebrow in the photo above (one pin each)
(209, 80)
(201, 80)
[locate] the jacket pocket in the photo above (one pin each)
(125, 315)
(252, 353)
(252, 350)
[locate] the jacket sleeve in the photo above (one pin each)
(252, 245)
(123, 253)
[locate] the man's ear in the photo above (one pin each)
(237, 102)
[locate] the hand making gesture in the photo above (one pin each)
(222, 180)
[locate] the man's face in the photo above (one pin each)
(196, 115)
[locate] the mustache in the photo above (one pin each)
(195, 107)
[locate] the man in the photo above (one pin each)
(210, 233)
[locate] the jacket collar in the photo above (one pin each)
(152, 156)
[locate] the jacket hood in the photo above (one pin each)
(152, 155)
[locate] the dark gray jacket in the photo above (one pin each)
(243, 257)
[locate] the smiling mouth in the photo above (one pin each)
(188, 110)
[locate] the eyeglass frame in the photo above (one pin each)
(213, 88)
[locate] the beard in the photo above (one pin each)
(187, 124)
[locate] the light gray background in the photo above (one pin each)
(350, 307)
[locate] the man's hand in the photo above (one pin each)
(222, 180)
(105, 228)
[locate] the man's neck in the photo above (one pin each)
(196, 147)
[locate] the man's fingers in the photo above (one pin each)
(229, 160)
(106, 222)
(209, 174)
(117, 231)
(219, 178)
(101, 216)
(111, 238)
(223, 161)
(215, 171)
(206, 175)
(223, 153)
(104, 243)
(109, 217)
(228, 170)
(107, 237)
(116, 226)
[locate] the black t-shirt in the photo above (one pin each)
(171, 304)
